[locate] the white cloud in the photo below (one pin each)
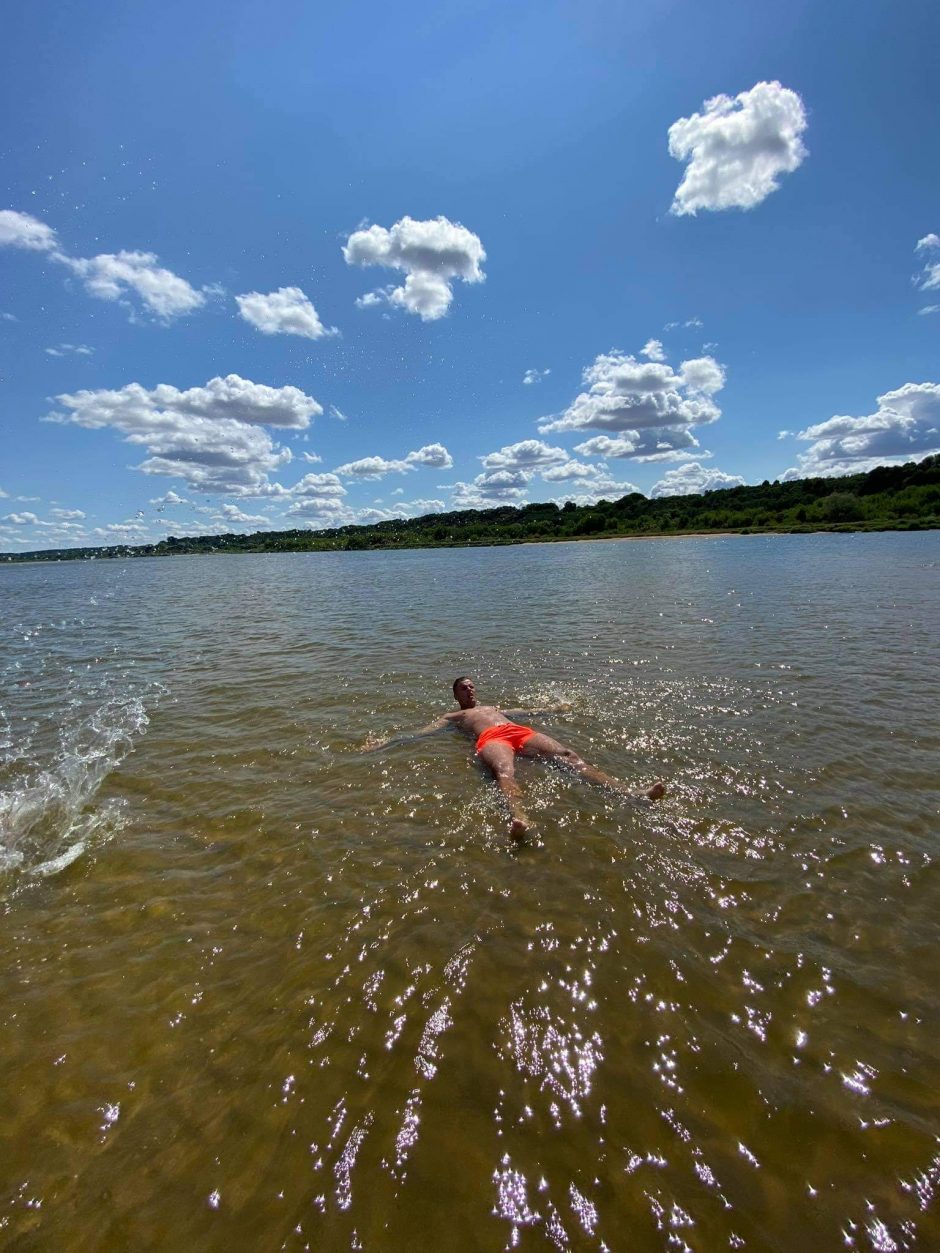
(650, 406)
(691, 479)
(418, 507)
(645, 446)
(570, 470)
(398, 491)
(496, 487)
(373, 298)
(312, 457)
(20, 230)
(21, 519)
(435, 456)
(318, 487)
(111, 276)
(929, 277)
(929, 309)
(170, 498)
(8, 317)
(430, 253)
(372, 468)
(108, 276)
(905, 427)
(126, 530)
(190, 527)
(690, 323)
(65, 350)
(534, 376)
(370, 516)
(784, 434)
(67, 515)
(322, 511)
(601, 488)
(509, 473)
(287, 311)
(737, 148)
(338, 414)
(406, 509)
(528, 454)
(232, 513)
(212, 436)
(653, 349)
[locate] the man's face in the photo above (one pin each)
(465, 693)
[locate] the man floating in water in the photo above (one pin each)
(498, 740)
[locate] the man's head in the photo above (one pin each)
(464, 692)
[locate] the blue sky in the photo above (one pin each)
(693, 226)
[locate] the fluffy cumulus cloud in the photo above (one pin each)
(509, 473)
(431, 254)
(212, 437)
(679, 445)
(495, 487)
(434, 456)
(528, 454)
(691, 479)
(590, 491)
(404, 509)
(20, 230)
(108, 276)
(318, 487)
(318, 500)
(114, 276)
(568, 470)
(650, 407)
(534, 376)
(287, 311)
(737, 148)
(905, 427)
(929, 277)
(653, 350)
(232, 513)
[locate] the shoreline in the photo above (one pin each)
(134, 554)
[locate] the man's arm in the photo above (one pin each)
(373, 743)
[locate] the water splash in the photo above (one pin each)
(49, 815)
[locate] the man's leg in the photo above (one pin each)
(539, 745)
(500, 759)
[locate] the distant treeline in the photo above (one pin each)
(888, 498)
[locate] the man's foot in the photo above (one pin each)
(519, 828)
(656, 792)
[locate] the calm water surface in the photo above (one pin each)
(262, 991)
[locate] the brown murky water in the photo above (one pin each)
(261, 991)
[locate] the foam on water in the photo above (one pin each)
(50, 814)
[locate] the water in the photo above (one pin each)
(262, 991)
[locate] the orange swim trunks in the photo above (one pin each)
(510, 733)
